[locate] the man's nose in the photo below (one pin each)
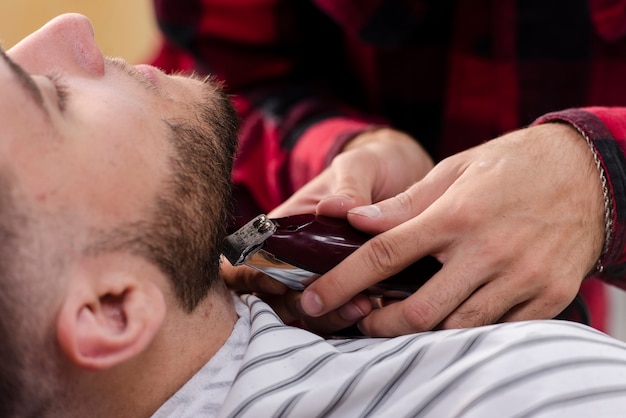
(64, 44)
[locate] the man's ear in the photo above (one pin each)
(109, 317)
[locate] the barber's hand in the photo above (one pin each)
(286, 302)
(517, 223)
(373, 166)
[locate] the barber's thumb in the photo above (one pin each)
(381, 216)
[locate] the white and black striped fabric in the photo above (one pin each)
(524, 369)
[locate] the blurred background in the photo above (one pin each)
(124, 28)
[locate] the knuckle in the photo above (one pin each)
(339, 291)
(405, 201)
(420, 316)
(465, 212)
(384, 256)
(470, 316)
(445, 166)
(560, 295)
(555, 288)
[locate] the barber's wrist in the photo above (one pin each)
(606, 201)
(599, 179)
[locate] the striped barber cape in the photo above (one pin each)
(523, 369)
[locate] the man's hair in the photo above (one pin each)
(22, 338)
(12, 362)
(184, 236)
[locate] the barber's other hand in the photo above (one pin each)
(286, 302)
(517, 223)
(373, 166)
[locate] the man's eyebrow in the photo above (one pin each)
(25, 80)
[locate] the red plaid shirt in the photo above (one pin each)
(309, 75)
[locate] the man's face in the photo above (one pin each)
(100, 158)
(83, 131)
(111, 157)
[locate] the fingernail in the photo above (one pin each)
(342, 200)
(350, 312)
(311, 303)
(369, 211)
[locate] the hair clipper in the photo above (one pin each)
(296, 250)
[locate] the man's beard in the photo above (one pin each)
(184, 235)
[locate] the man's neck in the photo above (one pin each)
(185, 343)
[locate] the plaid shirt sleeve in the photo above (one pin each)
(606, 130)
